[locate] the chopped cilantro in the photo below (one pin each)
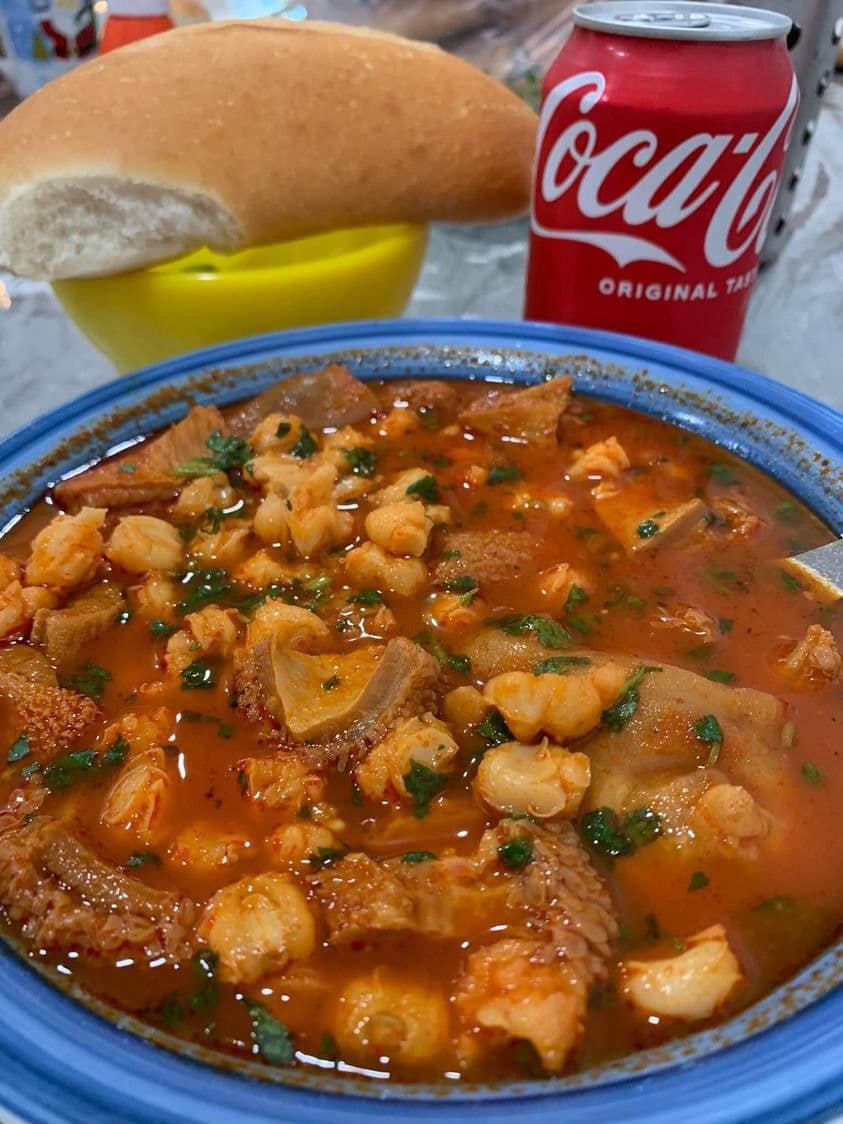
(283, 429)
(142, 858)
(205, 586)
(548, 632)
(203, 965)
(227, 451)
(792, 584)
(494, 729)
(325, 856)
(305, 446)
(699, 881)
(422, 784)
(501, 474)
(722, 473)
(90, 679)
(451, 555)
(576, 596)
(417, 856)
(708, 730)
(604, 830)
(647, 529)
(328, 1048)
(559, 665)
(30, 770)
(225, 730)
(462, 664)
(273, 1040)
(626, 704)
(579, 624)
(516, 853)
(18, 749)
(463, 584)
(786, 511)
(171, 1011)
(479, 508)
(642, 825)
(68, 767)
(161, 630)
(363, 462)
(116, 752)
(129, 469)
(425, 488)
(777, 904)
(718, 675)
(331, 683)
(198, 676)
(811, 773)
(320, 587)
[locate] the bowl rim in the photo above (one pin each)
(49, 1044)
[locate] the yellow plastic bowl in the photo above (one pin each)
(151, 314)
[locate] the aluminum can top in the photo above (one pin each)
(681, 20)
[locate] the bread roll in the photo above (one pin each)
(246, 132)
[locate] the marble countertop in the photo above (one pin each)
(794, 331)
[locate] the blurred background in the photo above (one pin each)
(794, 330)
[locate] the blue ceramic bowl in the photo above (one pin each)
(781, 1060)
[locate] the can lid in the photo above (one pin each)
(680, 19)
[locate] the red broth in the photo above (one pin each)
(384, 915)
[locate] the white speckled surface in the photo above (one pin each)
(794, 331)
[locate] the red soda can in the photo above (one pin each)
(662, 136)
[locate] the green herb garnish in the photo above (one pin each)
(604, 830)
(494, 729)
(90, 679)
(18, 749)
(305, 446)
(272, 1038)
(161, 630)
(718, 675)
(363, 462)
(417, 856)
(503, 474)
(325, 856)
(283, 429)
(647, 529)
(642, 826)
(811, 773)
(461, 664)
(722, 473)
(559, 665)
(516, 853)
(626, 704)
(699, 881)
(791, 584)
(708, 730)
(422, 784)
(425, 488)
(331, 683)
(548, 632)
(198, 676)
(228, 452)
(576, 596)
(142, 858)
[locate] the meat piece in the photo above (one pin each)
(52, 718)
(360, 896)
(327, 398)
(62, 896)
(63, 632)
(815, 661)
(489, 556)
(641, 523)
(529, 415)
(20, 659)
(430, 394)
(736, 518)
(145, 473)
(658, 759)
(371, 688)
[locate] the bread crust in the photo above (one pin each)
(291, 129)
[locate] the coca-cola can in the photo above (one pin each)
(661, 142)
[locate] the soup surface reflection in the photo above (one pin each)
(428, 730)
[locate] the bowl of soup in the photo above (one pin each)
(417, 718)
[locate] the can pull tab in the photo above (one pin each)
(672, 19)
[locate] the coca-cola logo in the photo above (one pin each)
(576, 162)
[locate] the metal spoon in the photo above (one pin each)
(823, 566)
